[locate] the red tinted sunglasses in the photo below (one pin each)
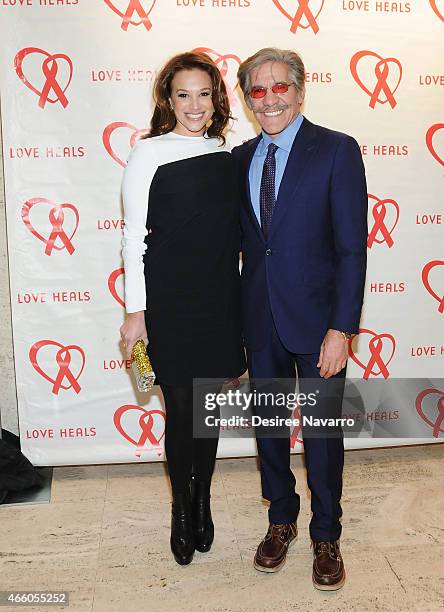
(277, 88)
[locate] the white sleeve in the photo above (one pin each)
(136, 183)
(228, 141)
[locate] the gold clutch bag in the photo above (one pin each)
(141, 366)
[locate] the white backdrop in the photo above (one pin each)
(75, 85)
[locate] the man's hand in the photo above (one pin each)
(333, 354)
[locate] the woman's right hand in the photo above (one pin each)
(132, 330)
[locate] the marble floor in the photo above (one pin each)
(105, 538)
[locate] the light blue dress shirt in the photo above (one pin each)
(284, 141)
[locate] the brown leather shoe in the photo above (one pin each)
(272, 551)
(328, 566)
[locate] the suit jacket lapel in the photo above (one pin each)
(245, 171)
(302, 150)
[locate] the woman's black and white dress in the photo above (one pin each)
(180, 251)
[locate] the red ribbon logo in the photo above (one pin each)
(63, 359)
(151, 424)
(376, 365)
(112, 285)
(379, 233)
(294, 436)
(56, 217)
(436, 9)
(425, 279)
(303, 11)
(436, 424)
(134, 6)
(224, 62)
(382, 72)
(429, 141)
(50, 68)
(117, 125)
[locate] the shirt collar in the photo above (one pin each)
(285, 139)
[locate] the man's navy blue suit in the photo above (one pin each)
(306, 278)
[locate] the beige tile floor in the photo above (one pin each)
(105, 538)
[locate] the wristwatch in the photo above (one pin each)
(346, 335)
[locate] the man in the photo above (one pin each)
(304, 225)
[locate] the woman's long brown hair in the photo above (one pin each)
(164, 120)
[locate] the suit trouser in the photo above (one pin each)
(324, 456)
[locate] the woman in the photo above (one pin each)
(180, 250)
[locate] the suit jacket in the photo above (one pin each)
(309, 275)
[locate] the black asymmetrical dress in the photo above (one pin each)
(191, 266)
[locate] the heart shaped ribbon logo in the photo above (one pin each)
(133, 135)
(112, 285)
(381, 91)
(132, 7)
(435, 423)
(56, 217)
(228, 65)
(426, 281)
(62, 357)
(150, 426)
(382, 348)
(440, 14)
(50, 66)
(429, 141)
(379, 212)
(303, 14)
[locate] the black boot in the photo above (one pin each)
(203, 527)
(182, 539)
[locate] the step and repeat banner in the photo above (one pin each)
(75, 82)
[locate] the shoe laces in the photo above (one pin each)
(279, 530)
(327, 547)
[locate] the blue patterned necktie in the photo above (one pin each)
(267, 193)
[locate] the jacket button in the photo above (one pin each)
(268, 252)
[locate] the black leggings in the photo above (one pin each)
(185, 455)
